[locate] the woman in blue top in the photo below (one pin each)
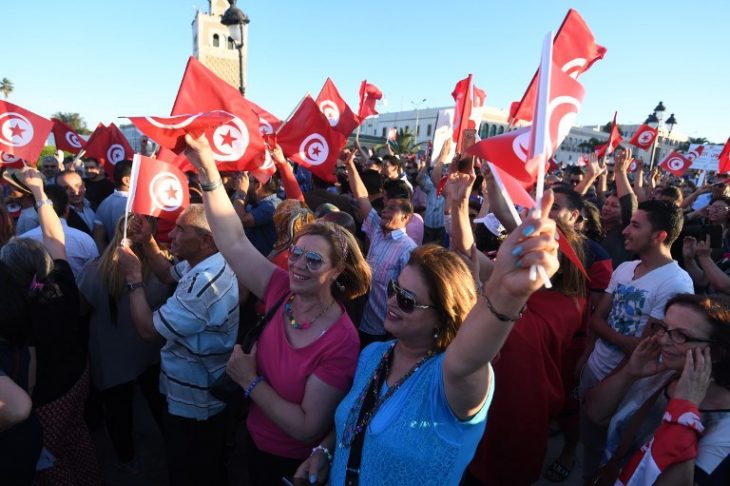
(417, 407)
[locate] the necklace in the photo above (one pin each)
(289, 314)
(358, 419)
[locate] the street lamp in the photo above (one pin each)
(671, 121)
(417, 104)
(659, 111)
(235, 20)
(654, 120)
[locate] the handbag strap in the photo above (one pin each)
(633, 426)
(258, 328)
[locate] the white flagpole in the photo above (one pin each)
(136, 161)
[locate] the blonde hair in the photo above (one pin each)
(450, 285)
(355, 278)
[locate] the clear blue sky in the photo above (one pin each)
(105, 58)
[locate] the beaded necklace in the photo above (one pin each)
(353, 426)
(289, 314)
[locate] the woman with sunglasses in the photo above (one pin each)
(417, 408)
(304, 361)
(682, 374)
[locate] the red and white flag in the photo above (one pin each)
(11, 161)
(339, 114)
(675, 163)
(22, 132)
(574, 51)
(614, 139)
(169, 131)
(268, 123)
(157, 188)
(467, 98)
(109, 146)
(723, 160)
(369, 94)
(66, 137)
(237, 144)
(644, 137)
(308, 139)
(693, 154)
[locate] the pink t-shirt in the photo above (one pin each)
(332, 358)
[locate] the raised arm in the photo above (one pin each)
(140, 231)
(714, 275)
(593, 171)
(689, 254)
(252, 269)
(288, 179)
(465, 368)
(358, 188)
(53, 237)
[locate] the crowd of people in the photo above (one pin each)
(383, 329)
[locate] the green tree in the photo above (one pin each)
(74, 120)
(607, 127)
(6, 86)
(591, 144)
(684, 146)
(404, 143)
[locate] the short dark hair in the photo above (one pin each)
(92, 159)
(122, 169)
(58, 196)
(397, 189)
(404, 205)
(673, 193)
(574, 170)
(574, 200)
(373, 181)
(393, 160)
(664, 216)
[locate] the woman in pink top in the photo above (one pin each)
(303, 363)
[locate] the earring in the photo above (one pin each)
(339, 286)
(435, 334)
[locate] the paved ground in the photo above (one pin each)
(152, 467)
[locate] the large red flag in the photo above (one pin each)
(336, 110)
(109, 146)
(22, 132)
(614, 139)
(509, 151)
(268, 123)
(66, 137)
(236, 145)
(574, 51)
(369, 94)
(675, 163)
(467, 97)
(169, 131)
(157, 188)
(308, 139)
(723, 160)
(644, 137)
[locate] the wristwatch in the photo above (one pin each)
(43, 202)
(131, 287)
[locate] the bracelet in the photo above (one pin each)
(325, 450)
(43, 202)
(131, 287)
(252, 385)
(212, 186)
(503, 317)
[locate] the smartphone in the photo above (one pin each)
(700, 232)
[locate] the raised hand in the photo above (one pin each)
(199, 152)
(643, 361)
(696, 376)
(458, 186)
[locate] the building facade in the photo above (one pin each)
(213, 46)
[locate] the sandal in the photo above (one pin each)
(557, 473)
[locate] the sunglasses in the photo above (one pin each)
(405, 299)
(675, 335)
(313, 260)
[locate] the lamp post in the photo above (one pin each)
(236, 20)
(654, 120)
(417, 104)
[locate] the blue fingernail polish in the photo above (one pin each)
(518, 264)
(517, 250)
(528, 230)
(313, 479)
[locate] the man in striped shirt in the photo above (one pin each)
(199, 324)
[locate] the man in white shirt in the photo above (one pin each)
(80, 247)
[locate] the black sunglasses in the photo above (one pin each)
(675, 335)
(313, 260)
(405, 299)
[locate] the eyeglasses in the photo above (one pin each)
(676, 335)
(405, 299)
(313, 260)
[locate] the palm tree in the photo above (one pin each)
(684, 146)
(404, 142)
(6, 86)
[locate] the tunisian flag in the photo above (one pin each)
(693, 154)
(574, 51)
(644, 137)
(109, 146)
(157, 188)
(268, 123)
(339, 114)
(369, 94)
(10, 160)
(169, 131)
(510, 150)
(467, 97)
(66, 137)
(723, 160)
(675, 163)
(237, 144)
(308, 139)
(22, 132)
(614, 139)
